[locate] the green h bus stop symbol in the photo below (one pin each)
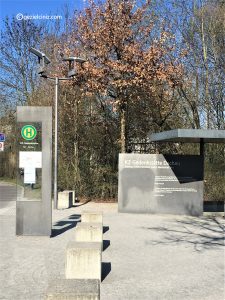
(28, 132)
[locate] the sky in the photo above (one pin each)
(19, 8)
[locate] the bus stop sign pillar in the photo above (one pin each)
(34, 172)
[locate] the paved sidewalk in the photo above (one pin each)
(146, 256)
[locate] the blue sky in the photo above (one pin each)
(33, 7)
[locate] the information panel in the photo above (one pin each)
(30, 160)
(156, 183)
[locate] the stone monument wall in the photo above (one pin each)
(156, 183)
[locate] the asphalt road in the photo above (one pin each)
(8, 194)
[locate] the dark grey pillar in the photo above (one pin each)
(202, 148)
(34, 207)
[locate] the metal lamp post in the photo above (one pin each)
(43, 60)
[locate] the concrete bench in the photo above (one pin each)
(83, 260)
(89, 232)
(65, 199)
(73, 289)
(91, 217)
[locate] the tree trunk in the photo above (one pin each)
(76, 149)
(205, 59)
(123, 130)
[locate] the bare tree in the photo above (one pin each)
(17, 67)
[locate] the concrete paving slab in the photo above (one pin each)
(149, 256)
(73, 289)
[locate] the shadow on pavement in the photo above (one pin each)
(77, 205)
(202, 233)
(105, 229)
(65, 224)
(106, 269)
(106, 244)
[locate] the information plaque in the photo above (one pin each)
(156, 183)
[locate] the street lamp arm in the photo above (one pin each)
(66, 78)
(54, 78)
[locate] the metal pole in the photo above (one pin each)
(202, 154)
(202, 147)
(56, 143)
